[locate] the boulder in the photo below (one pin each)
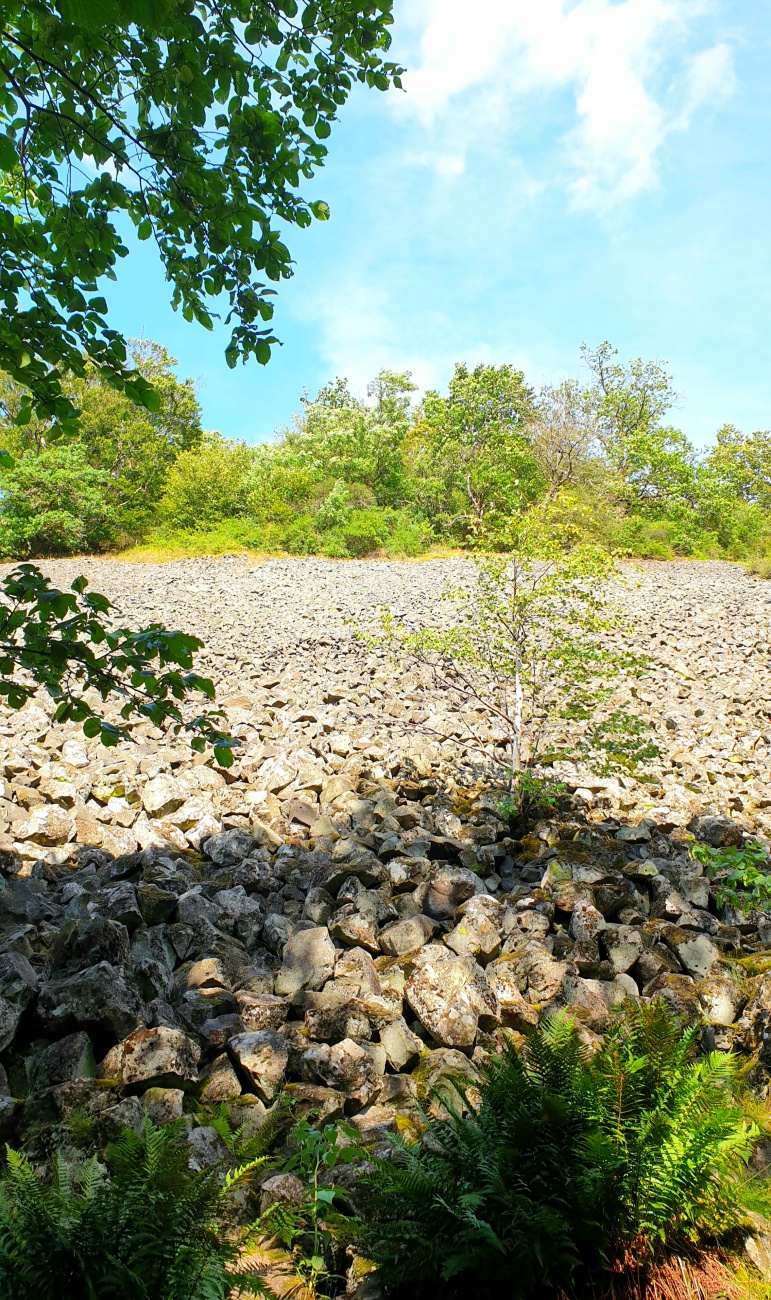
(355, 1069)
(402, 1047)
(160, 1058)
(720, 832)
(99, 999)
(696, 953)
(261, 1057)
(449, 994)
(229, 847)
(72, 1057)
(406, 936)
(308, 961)
(161, 796)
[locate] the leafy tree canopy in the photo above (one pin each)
(198, 122)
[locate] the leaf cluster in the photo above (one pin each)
(68, 643)
(743, 875)
(199, 123)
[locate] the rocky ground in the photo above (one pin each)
(344, 917)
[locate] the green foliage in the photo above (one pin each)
(67, 643)
(743, 874)
(489, 466)
(140, 1226)
(470, 458)
(566, 1165)
(529, 648)
(199, 122)
(55, 503)
(315, 1230)
(207, 485)
(532, 795)
(100, 483)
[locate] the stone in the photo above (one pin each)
(478, 931)
(308, 960)
(216, 1032)
(679, 994)
(516, 1012)
(99, 999)
(161, 1058)
(586, 922)
(351, 1068)
(402, 1047)
(634, 834)
(347, 1019)
(18, 985)
(262, 1010)
(219, 1081)
(406, 936)
(262, 1058)
(281, 1189)
(449, 994)
(229, 847)
(350, 925)
(161, 796)
(720, 832)
(207, 1150)
(623, 945)
(448, 888)
(163, 1105)
(721, 1000)
(72, 1057)
(696, 953)
(47, 825)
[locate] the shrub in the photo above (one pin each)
(567, 1169)
(54, 503)
(207, 484)
(301, 538)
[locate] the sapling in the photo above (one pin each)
(529, 649)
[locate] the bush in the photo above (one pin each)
(54, 503)
(207, 485)
(301, 538)
(140, 1227)
(568, 1169)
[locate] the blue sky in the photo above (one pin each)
(556, 171)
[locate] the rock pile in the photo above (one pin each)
(344, 918)
(350, 971)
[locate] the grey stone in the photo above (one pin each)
(161, 1057)
(309, 960)
(262, 1057)
(99, 999)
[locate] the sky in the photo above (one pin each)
(555, 171)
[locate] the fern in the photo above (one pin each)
(568, 1165)
(141, 1226)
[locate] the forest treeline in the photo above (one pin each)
(595, 458)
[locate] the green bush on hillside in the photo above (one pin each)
(55, 503)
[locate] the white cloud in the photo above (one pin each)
(625, 63)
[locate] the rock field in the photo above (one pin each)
(343, 917)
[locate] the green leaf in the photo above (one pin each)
(8, 155)
(320, 210)
(92, 727)
(6, 460)
(224, 755)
